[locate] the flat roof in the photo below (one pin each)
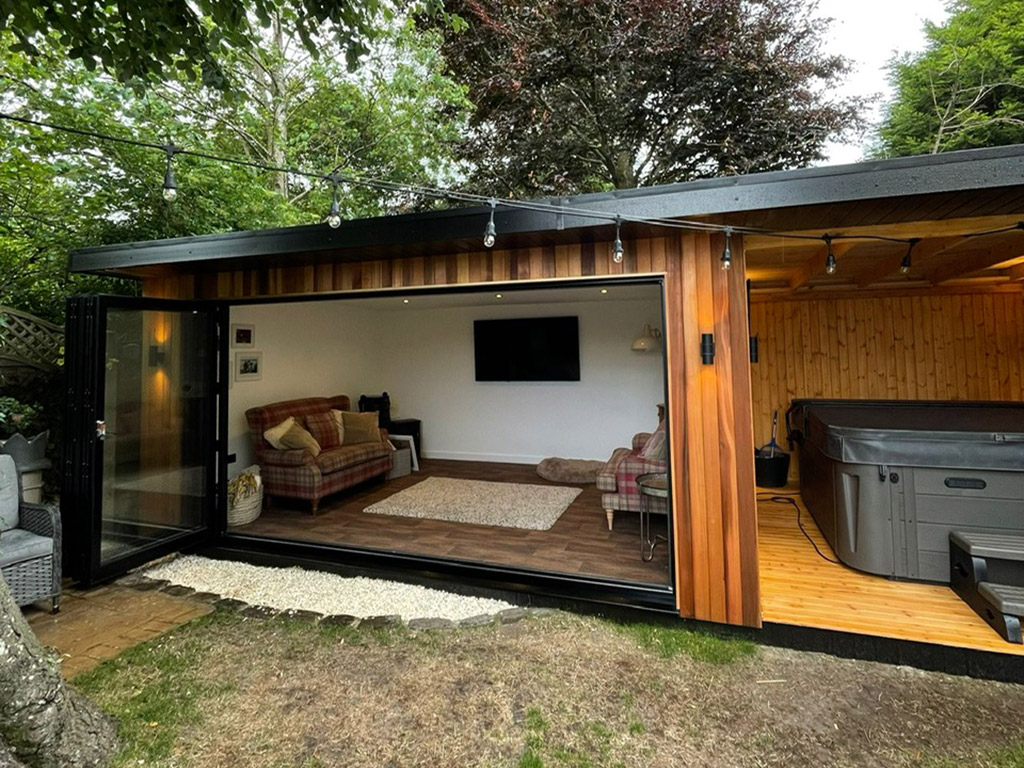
(460, 229)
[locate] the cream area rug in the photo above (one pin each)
(480, 502)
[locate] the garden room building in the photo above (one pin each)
(883, 299)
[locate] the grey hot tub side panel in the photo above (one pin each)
(886, 491)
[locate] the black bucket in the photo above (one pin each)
(771, 471)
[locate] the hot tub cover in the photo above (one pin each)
(918, 434)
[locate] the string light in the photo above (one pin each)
(170, 190)
(557, 208)
(489, 232)
(334, 216)
(727, 251)
(617, 251)
(905, 264)
(830, 260)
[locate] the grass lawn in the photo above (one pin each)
(562, 691)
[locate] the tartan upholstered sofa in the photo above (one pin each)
(296, 474)
(618, 478)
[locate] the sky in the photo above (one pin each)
(869, 32)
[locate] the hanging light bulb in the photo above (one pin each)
(617, 251)
(905, 264)
(727, 251)
(170, 190)
(334, 216)
(830, 261)
(490, 233)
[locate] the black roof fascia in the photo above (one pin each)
(950, 172)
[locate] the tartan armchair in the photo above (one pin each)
(30, 542)
(618, 478)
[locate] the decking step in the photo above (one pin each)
(995, 545)
(1007, 599)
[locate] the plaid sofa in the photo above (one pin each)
(618, 478)
(296, 474)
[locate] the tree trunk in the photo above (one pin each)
(277, 130)
(44, 723)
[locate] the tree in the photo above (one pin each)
(140, 42)
(398, 118)
(43, 723)
(966, 89)
(573, 96)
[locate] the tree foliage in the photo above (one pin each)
(966, 89)
(573, 96)
(398, 117)
(140, 42)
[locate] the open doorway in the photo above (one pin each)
(484, 388)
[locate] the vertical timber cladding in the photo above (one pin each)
(709, 406)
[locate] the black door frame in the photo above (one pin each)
(218, 541)
(82, 476)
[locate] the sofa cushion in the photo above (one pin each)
(289, 435)
(349, 455)
(361, 427)
(339, 423)
(323, 429)
(17, 546)
(8, 493)
(655, 446)
(264, 417)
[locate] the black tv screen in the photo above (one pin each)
(527, 349)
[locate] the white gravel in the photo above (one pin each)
(327, 593)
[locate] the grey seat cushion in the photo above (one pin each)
(17, 546)
(9, 493)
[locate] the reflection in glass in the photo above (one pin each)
(156, 403)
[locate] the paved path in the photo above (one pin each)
(98, 624)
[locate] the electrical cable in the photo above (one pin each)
(553, 207)
(779, 498)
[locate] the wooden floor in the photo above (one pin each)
(578, 543)
(799, 587)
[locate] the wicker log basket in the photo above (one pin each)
(245, 496)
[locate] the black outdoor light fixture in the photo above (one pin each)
(707, 348)
(617, 250)
(905, 264)
(490, 233)
(727, 251)
(170, 191)
(334, 215)
(830, 260)
(157, 355)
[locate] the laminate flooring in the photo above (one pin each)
(578, 543)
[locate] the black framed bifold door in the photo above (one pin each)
(141, 464)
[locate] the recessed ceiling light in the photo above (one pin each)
(405, 301)
(604, 290)
(497, 296)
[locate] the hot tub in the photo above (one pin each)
(886, 481)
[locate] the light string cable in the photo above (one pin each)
(336, 177)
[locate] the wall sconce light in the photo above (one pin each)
(755, 354)
(157, 355)
(707, 348)
(648, 340)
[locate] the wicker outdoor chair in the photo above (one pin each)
(30, 546)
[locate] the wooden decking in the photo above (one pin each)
(578, 543)
(798, 587)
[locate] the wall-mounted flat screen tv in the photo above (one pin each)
(527, 349)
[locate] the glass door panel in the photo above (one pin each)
(157, 428)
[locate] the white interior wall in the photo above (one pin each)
(423, 357)
(429, 370)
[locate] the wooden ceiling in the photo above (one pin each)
(943, 259)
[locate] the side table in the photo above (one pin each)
(653, 488)
(409, 427)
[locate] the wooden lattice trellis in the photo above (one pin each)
(28, 344)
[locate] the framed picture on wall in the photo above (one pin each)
(248, 366)
(243, 336)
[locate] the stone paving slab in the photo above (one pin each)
(96, 625)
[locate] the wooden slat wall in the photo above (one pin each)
(709, 406)
(967, 346)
